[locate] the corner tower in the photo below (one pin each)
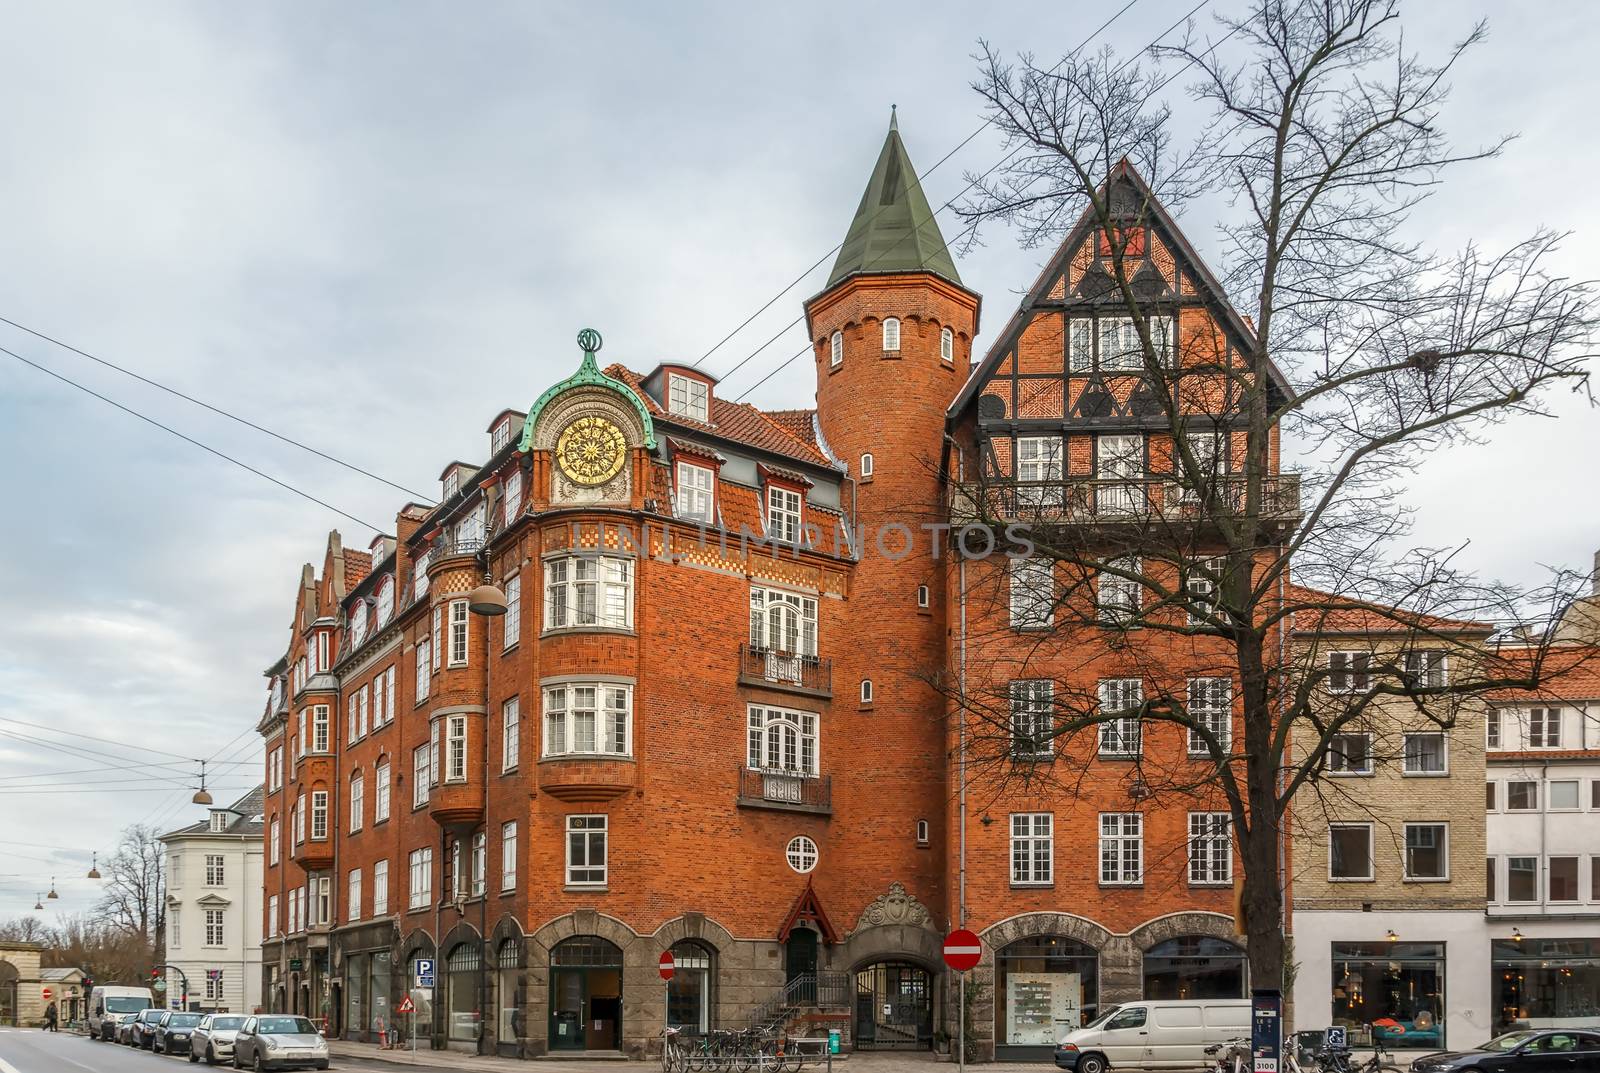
(892, 338)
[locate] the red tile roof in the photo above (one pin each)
(1325, 612)
(737, 421)
(357, 565)
(1566, 673)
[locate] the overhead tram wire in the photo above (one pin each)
(1156, 89)
(191, 440)
(962, 144)
(219, 411)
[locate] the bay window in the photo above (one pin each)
(588, 590)
(456, 749)
(588, 718)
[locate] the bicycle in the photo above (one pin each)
(1231, 1057)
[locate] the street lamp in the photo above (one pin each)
(52, 896)
(94, 866)
(201, 797)
(38, 902)
(487, 599)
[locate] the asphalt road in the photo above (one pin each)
(29, 1050)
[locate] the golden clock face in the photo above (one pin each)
(591, 451)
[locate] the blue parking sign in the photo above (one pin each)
(424, 968)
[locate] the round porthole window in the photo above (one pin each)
(802, 854)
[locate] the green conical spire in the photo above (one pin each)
(894, 229)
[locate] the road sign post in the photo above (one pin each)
(667, 967)
(407, 1006)
(962, 951)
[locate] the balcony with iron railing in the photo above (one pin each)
(785, 791)
(1131, 500)
(449, 546)
(793, 672)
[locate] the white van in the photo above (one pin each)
(1153, 1035)
(110, 1006)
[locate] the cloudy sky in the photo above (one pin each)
(373, 226)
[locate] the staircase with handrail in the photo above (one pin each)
(808, 990)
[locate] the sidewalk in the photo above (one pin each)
(880, 1062)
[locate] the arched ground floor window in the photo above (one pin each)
(1195, 967)
(689, 990)
(585, 994)
(1044, 985)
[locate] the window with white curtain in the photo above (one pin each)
(891, 334)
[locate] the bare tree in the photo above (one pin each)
(1361, 343)
(26, 930)
(134, 899)
(109, 954)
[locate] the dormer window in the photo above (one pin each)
(358, 623)
(696, 493)
(836, 350)
(452, 484)
(378, 550)
(688, 397)
(501, 436)
(219, 822)
(419, 576)
(469, 530)
(783, 514)
(891, 335)
(947, 346)
(385, 601)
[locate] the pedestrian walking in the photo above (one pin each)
(50, 1018)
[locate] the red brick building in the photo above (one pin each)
(715, 717)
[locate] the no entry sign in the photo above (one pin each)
(962, 950)
(47, 993)
(667, 965)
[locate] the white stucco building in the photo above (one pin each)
(214, 884)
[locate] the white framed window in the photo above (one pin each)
(275, 770)
(480, 864)
(510, 733)
(1120, 737)
(352, 730)
(319, 815)
(303, 739)
(1350, 753)
(1032, 849)
(1120, 347)
(511, 621)
(380, 792)
(923, 836)
(586, 851)
(696, 490)
(319, 728)
(384, 602)
(424, 671)
(508, 856)
(1425, 754)
(1206, 447)
(866, 691)
(1210, 849)
(1080, 345)
(388, 694)
(588, 590)
(357, 620)
(1349, 672)
(778, 739)
(1032, 718)
(379, 700)
(451, 483)
(783, 621)
(300, 819)
(216, 928)
(1427, 851)
(272, 916)
(1119, 474)
(216, 870)
(801, 853)
(358, 801)
(783, 514)
(1118, 598)
(1561, 795)
(1544, 728)
(836, 350)
(891, 334)
(500, 436)
(1210, 707)
(459, 613)
(866, 465)
(276, 846)
(380, 888)
(1032, 594)
(588, 718)
(1350, 852)
(218, 822)
(455, 749)
(436, 637)
(420, 892)
(1522, 795)
(322, 651)
(435, 751)
(419, 576)
(924, 596)
(363, 709)
(1492, 728)
(1040, 471)
(688, 397)
(947, 345)
(1426, 669)
(420, 763)
(1121, 848)
(511, 493)
(352, 897)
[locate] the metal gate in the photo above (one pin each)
(894, 1007)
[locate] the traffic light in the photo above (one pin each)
(155, 974)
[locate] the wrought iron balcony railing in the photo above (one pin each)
(1113, 500)
(783, 789)
(793, 671)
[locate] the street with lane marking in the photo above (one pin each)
(31, 1050)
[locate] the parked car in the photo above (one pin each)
(173, 1031)
(1153, 1035)
(140, 1031)
(110, 1005)
(279, 1041)
(1530, 1050)
(213, 1037)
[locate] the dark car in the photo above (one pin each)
(174, 1031)
(141, 1031)
(279, 1041)
(1533, 1050)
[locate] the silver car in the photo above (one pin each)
(213, 1037)
(279, 1041)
